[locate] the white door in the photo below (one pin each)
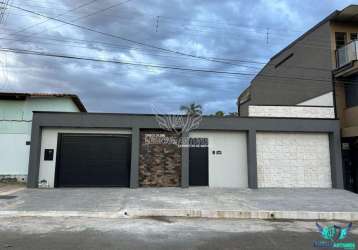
(227, 158)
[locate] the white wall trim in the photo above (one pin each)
(291, 112)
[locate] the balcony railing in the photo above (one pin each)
(347, 54)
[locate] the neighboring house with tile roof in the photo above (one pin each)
(15, 126)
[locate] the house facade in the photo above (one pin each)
(316, 76)
(132, 150)
(15, 127)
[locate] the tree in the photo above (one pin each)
(219, 113)
(192, 109)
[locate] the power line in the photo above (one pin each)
(120, 37)
(3, 6)
(86, 47)
(30, 52)
(88, 15)
(327, 82)
(226, 24)
(40, 23)
(139, 43)
(192, 22)
(155, 47)
(81, 41)
(249, 28)
(318, 44)
(172, 20)
(41, 1)
(6, 16)
(312, 44)
(222, 60)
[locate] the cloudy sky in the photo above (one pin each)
(225, 35)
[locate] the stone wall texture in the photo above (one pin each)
(293, 160)
(159, 165)
(291, 111)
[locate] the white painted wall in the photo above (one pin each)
(49, 138)
(15, 130)
(13, 154)
(230, 168)
(322, 100)
(293, 160)
(291, 111)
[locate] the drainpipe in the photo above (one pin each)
(334, 96)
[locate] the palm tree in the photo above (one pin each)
(192, 109)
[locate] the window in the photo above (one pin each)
(341, 39)
(354, 36)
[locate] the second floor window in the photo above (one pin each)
(341, 39)
(354, 36)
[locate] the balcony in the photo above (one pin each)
(346, 59)
(347, 54)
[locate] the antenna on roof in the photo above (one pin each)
(267, 35)
(157, 24)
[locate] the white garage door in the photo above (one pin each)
(293, 160)
(227, 158)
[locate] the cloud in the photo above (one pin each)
(220, 29)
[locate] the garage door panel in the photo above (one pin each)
(93, 160)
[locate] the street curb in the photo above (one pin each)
(55, 214)
(235, 214)
(191, 213)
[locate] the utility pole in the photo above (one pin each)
(157, 25)
(267, 36)
(3, 7)
(2, 4)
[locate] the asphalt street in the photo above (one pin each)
(158, 233)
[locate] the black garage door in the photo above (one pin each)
(93, 160)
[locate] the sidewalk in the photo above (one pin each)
(8, 189)
(298, 204)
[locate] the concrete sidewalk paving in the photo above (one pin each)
(298, 204)
(7, 189)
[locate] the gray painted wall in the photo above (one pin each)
(244, 109)
(136, 122)
(352, 92)
(313, 51)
